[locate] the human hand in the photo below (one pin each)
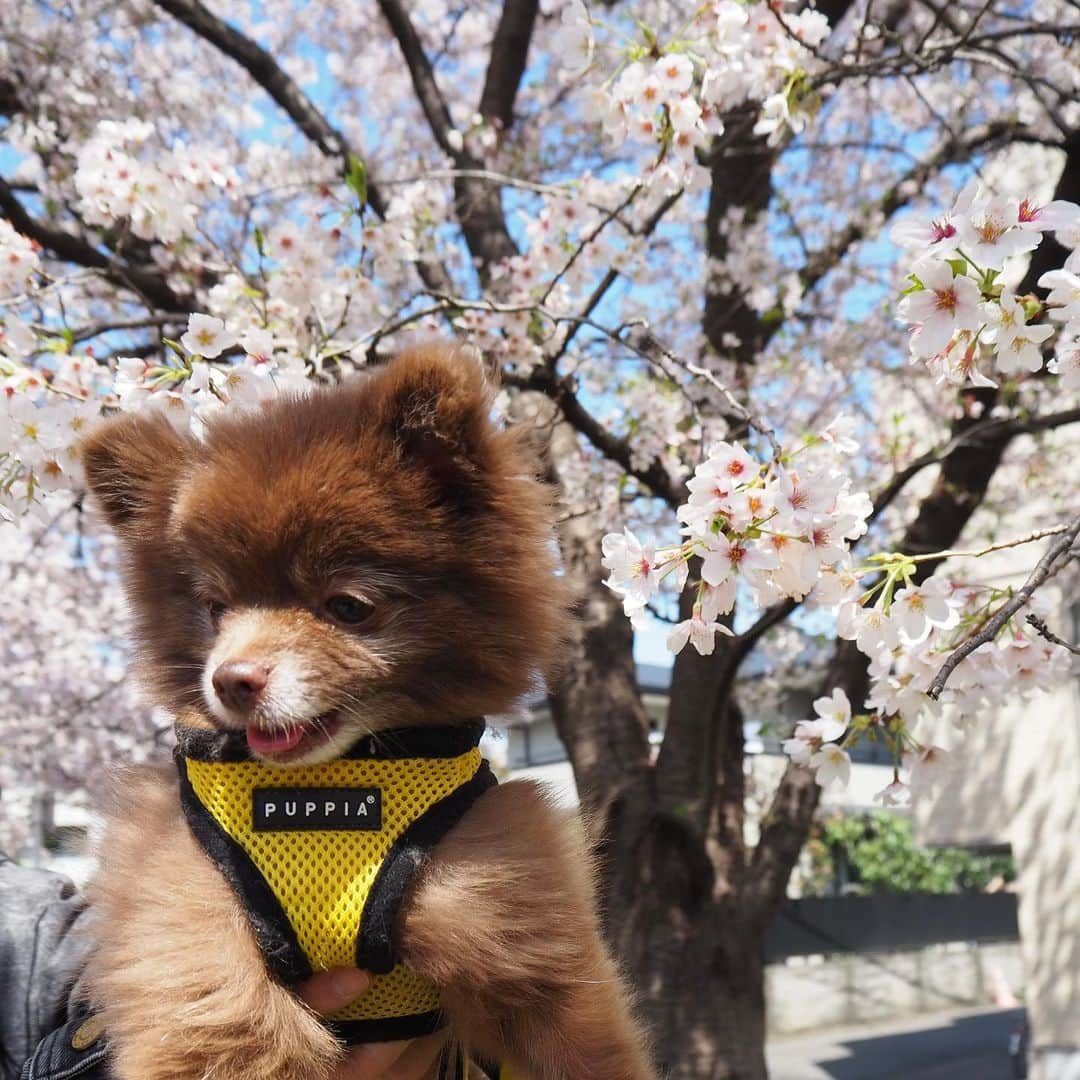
(406, 1060)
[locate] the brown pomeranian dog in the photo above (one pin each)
(330, 593)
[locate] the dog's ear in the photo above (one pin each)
(133, 465)
(436, 405)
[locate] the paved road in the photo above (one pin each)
(962, 1045)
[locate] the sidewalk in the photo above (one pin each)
(963, 1044)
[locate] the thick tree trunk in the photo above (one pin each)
(670, 914)
(696, 963)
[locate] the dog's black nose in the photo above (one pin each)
(238, 683)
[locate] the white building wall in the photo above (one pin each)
(1017, 782)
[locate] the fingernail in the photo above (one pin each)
(350, 982)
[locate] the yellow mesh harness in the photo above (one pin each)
(321, 855)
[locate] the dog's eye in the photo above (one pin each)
(349, 610)
(216, 610)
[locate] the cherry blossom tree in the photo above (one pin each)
(789, 294)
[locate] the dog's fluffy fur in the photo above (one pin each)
(395, 490)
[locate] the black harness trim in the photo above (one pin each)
(389, 1029)
(273, 931)
(375, 949)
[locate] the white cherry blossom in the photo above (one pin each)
(991, 232)
(675, 73)
(1066, 360)
(1016, 344)
(831, 765)
(835, 713)
(919, 607)
(895, 793)
(574, 44)
(698, 632)
(929, 768)
(1064, 296)
(945, 303)
(633, 576)
(207, 336)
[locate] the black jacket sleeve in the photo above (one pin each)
(41, 956)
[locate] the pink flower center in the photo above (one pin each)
(946, 299)
(966, 363)
(942, 230)
(990, 230)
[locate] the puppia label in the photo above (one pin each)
(289, 809)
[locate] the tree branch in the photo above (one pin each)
(477, 204)
(68, 247)
(264, 69)
(1044, 631)
(509, 53)
(560, 389)
(1057, 556)
(423, 79)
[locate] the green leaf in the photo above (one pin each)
(176, 348)
(915, 286)
(356, 179)
(649, 34)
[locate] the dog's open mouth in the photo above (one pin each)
(291, 743)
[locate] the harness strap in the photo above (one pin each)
(374, 944)
(274, 933)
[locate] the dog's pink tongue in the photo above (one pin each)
(273, 742)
